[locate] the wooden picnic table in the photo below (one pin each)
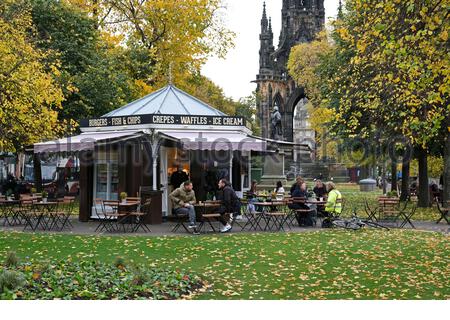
(316, 202)
(270, 203)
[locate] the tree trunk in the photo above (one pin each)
(446, 178)
(383, 176)
(394, 174)
(37, 172)
(405, 181)
(424, 193)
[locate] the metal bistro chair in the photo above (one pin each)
(253, 218)
(139, 216)
(28, 213)
(180, 220)
(276, 220)
(371, 213)
(62, 217)
(443, 211)
(406, 213)
(114, 217)
(99, 212)
(291, 218)
(389, 210)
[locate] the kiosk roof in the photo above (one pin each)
(168, 100)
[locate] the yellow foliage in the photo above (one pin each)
(29, 97)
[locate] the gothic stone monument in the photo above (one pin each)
(301, 21)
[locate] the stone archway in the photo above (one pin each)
(289, 111)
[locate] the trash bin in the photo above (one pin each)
(367, 185)
(155, 214)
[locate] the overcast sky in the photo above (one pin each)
(235, 73)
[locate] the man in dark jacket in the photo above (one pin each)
(298, 182)
(230, 204)
(178, 177)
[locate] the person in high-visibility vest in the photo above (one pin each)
(332, 205)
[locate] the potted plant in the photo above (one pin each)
(33, 191)
(392, 194)
(44, 196)
(274, 195)
(123, 197)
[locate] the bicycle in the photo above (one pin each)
(355, 223)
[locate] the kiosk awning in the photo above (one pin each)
(84, 141)
(216, 140)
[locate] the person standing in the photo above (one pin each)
(183, 199)
(178, 177)
(230, 204)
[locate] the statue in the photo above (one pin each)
(275, 120)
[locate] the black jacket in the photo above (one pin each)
(230, 201)
(320, 192)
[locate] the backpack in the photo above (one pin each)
(326, 223)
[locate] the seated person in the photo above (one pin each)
(332, 206)
(252, 197)
(297, 184)
(319, 189)
(279, 190)
(183, 200)
(230, 204)
(301, 192)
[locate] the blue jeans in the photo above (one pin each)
(189, 211)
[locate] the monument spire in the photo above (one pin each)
(264, 22)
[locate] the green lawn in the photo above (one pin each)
(334, 264)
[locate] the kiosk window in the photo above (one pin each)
(106, 178)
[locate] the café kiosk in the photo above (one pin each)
(138, 146)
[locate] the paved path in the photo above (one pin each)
(88, 228)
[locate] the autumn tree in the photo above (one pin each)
(393, 74)
(93, 76)
(29, 96)
(176, 35)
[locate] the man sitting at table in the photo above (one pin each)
(302, 192)
(183, 200)
(230, 204)
(319, 189)
(333, 206)
(298, 182)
